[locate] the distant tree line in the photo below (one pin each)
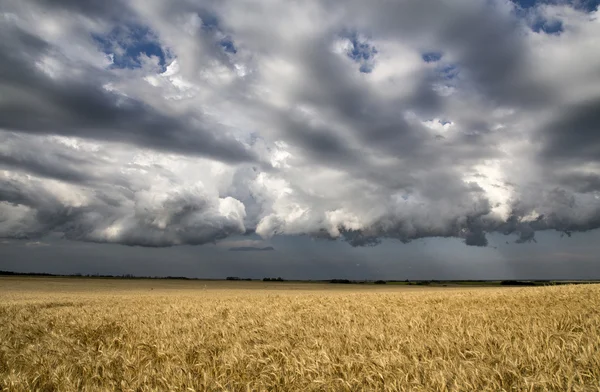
(80, 275)
(517, 283)
(348, 281)
(9, 273)
(538, 282)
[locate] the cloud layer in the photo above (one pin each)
(139, 123)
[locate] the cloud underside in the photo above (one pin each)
(142, 124)
(251, 249)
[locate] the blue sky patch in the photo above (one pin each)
(366, 68)
(127, 44)
(547, 26)
(210, 22)
(228, 45)
(431, 57)
(583, 5)
(527, 10)
(527, 3)
(211, 25)
(448, 71)
(362, 52)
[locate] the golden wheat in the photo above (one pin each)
(101, 335)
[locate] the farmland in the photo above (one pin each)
(67, 334)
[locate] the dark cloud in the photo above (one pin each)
(83, 107)
(574, 133)
(180, 217)
(30, 155)
(476, 238)
(360, 121)
(582, 182)
(95, 8)
(360, 237)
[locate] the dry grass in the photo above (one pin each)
(86, 335)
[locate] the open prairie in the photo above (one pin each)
(65, 334)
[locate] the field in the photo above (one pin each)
(67, 334)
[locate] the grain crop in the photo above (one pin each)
(110, 335)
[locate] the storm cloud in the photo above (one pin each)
(138, 123)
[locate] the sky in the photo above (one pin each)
(442, 139)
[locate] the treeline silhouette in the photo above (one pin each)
(517, 283)
(79, 275)
(348, 281)
(334, 281)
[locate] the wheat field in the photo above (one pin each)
(110, 335)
